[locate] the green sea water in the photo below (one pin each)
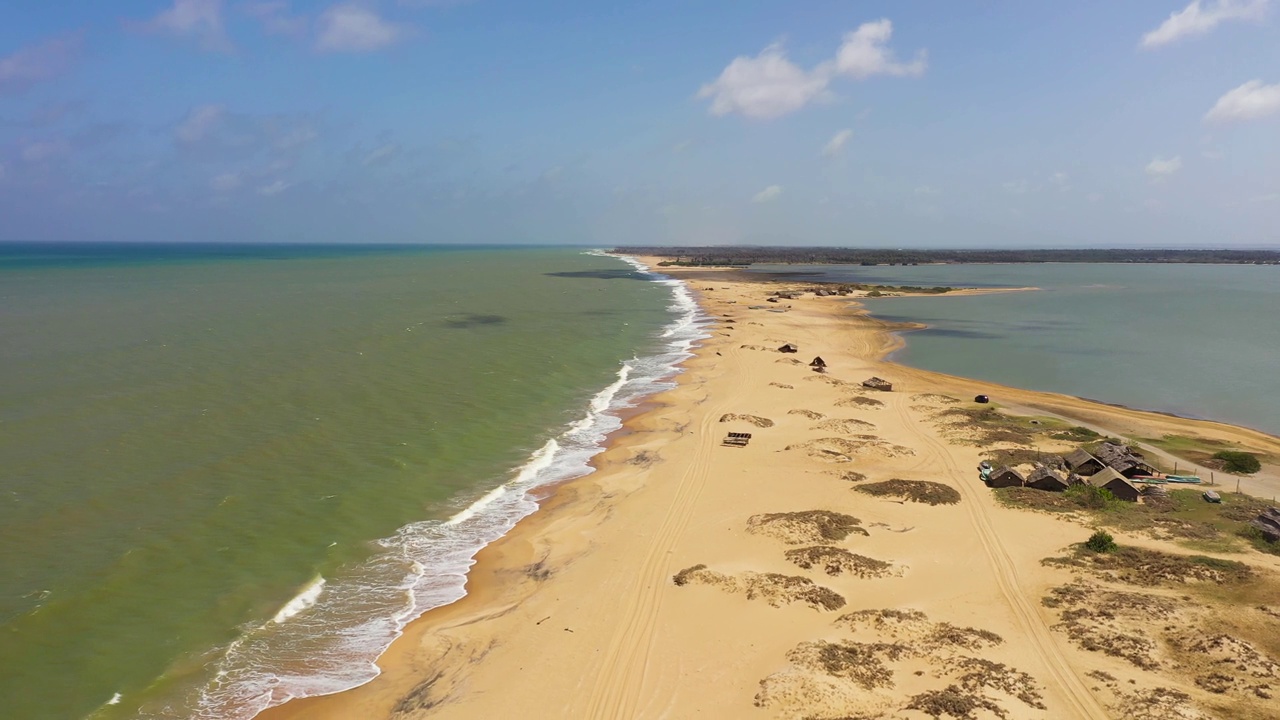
(1194, 340)
(190, 437)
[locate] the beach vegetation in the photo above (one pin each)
(1091, 497)
(920, 491)
(1150, 568)
(1240, 463)
(1101, 541)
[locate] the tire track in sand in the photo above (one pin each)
(1083, 703)
(615, 694)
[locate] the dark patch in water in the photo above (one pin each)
(956, 332)
(603, 274)
(470, 321)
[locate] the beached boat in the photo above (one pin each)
(1186, 479)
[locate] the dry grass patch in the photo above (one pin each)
(842, 449)
(845, 425)
(920, 491)
(784, 386)
(836, 561)
(760, 422)
(859, 401)
(1152, 568)
(774, 588)
(807, 413)
(805, 527)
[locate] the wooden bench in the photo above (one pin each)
(737, 439)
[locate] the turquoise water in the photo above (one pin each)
(231, 474)
(1195, 340)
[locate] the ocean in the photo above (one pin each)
(1193, 340)
(229, 475)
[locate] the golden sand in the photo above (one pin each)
(689, 579)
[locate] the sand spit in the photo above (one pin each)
(689, 579)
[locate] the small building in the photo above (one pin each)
(789, 348)
(1006, 477)
(1044, 478)
(1124, 460)
(1118, 484)
(876, 383)
(818, 362)
(1082, 463)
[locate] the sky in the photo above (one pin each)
(985, 123)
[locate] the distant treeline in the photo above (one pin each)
(854, 256)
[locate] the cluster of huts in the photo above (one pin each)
(1112, 468)
(818, 292)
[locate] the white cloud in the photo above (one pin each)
(1061, 180)
(836, 145)
(226, 182)
(766, 86)
(1161, 168)
(768, 194)
(352, 27)
(769, 85)
(1017, 187)
(1196, 19)
(863, 53)
(35, 63)
(275, 18)
(199, 123)
(274, 188)
(199, 19)
(1250, 101)
(42, 150)
(382, 154)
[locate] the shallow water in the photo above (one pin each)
(1195, 340)
(231, 474)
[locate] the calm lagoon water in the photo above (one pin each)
(231, 474)
(1196, 340)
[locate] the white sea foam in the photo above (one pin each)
(327, 638)
(303, 600)
(115, 699)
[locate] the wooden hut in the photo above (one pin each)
(1118, 484)
(876, 383)
(1044, 478)
(789, 348)
(818, 362)
(1006, 477)
(1082, 463)
(1124, 460)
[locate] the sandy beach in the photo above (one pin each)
(845, 563)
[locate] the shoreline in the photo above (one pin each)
(436, 664)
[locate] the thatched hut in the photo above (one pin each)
(1124, 460)
(818, 362)
(1118, 484)
(1268, 523)
(1006, 477)
(876, 383)
(1082, 463)
(789, 348)
(1044, 478)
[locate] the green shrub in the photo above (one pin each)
(874, 293)
(1234, 461)
(1091, 497)
(1101, 542)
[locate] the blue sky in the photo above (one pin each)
(886, 124)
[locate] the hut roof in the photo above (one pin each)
(1104, 477)
(818, 362)
(1045, 474)
(1079, 457)
(789, 348)
(878, 383)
